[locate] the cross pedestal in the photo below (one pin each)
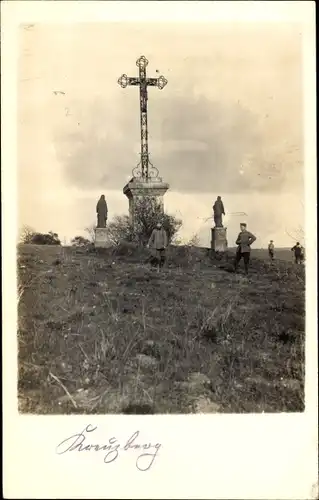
(101, 239)
(138, 188)
(219, 239)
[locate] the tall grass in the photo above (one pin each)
(101, 332)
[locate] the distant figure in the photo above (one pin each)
(244, 240)
(298, 252)
(101, 211)
(158, 242)
(219, 211)
(271, 250)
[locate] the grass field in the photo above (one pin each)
(103, 332)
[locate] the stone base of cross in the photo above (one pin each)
(138, 188)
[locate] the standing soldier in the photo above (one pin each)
(271, 250)
(244, 240)
(158, 241)
(298, 252)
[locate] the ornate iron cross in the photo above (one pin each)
(144, 169)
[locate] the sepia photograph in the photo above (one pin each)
(161, 250)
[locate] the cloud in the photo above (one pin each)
(172, 146)
(200, 144)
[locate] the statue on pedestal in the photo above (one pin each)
(219, 211)
(101, 212)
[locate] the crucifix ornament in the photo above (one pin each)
(146, 170)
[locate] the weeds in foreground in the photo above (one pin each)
(104, 334)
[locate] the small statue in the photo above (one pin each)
(219, 211)
(101, 211)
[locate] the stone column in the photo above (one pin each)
(219, 239)
(138, 188)
(101, 239)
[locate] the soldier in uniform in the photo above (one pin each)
(298, 252)
(158, 242)
(244, 240)
(271, 250)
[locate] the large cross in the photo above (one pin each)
(143, 83)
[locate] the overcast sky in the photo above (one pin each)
(228, 123)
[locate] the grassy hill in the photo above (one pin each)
(103, 332)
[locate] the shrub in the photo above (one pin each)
(29, 236)
(26, 235)
(79, 241)
(148, 212)
(120, 229)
